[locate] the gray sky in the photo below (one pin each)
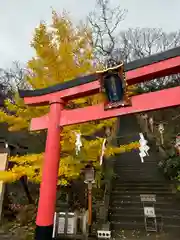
(18, 18)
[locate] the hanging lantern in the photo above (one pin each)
(114, 86)
(89, 174)
(145, 118)
(161, 131)
(108, 131)
(177, 144)
(151, 122)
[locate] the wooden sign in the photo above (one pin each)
(70, 223)
(148, 197)
(61, 223)
(149, 212)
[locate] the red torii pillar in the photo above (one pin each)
(159, 65)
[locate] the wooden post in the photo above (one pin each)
(4, 150)
(89, 204)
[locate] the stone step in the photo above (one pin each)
(148, 172)
(143, 235)
(136, 211)
(121, 169)
(141, 188)
(136, 162)
(138, 192)
(138, 204)
(139, 226)
(121, 182)
(141, 184)
(138, 178)
(133, 178)
(133, 157)
(136, 165)
(136, 171)
(136, 198)
(140, 170)
(119, 179)
(133, 160)
(137, 168)
(135, 175)
(172, 220)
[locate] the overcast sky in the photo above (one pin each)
(18, 18)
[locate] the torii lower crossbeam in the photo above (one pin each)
(141, 103)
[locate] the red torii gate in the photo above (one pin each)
(152, 67)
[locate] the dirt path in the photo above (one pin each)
(4, 236)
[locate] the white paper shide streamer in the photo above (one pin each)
(144, 148)
(78, 143)
(103, 151)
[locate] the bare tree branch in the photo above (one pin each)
(105, 22)
(139, 43)
(147, 41)
(10, 80)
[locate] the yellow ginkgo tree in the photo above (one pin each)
(62, 52)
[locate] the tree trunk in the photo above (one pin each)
(26, 189)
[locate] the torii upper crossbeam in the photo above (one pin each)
(158, 65)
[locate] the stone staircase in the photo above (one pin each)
(133, 178)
